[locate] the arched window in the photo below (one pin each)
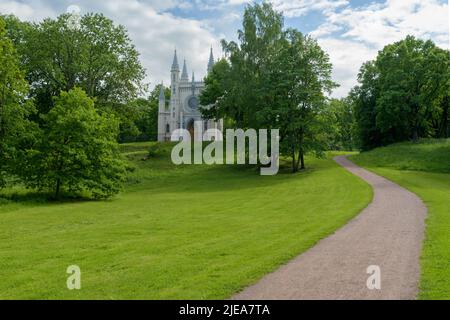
(167, 128)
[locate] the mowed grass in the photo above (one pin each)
(176, 232)
(423, 168)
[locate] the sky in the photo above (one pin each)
(350, 31)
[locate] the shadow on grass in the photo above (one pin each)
(161, 176)
(25, 196)
(156, 174)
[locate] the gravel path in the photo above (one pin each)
(388, 234)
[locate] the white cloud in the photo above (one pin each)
(157, 34)
(378, 24)
(154, 31)
(347, 57)
(296, 8)
(352, 36)
(219, 4)
(33, 10)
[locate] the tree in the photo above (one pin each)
(15, 129)
(259, 41)
(297, 79)
(146, 120)
(77, 151)
(214, 96)
(403, 94)
(364, 98)
(98, 57)
(339, 124)
(272, 79)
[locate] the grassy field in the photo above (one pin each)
(423, 168)
(187, 232)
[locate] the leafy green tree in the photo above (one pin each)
(438, 92)
(140, 129)
(215, 95)
(298, 78)
(272, 79)
(259, 41)
(403, 94)
(15, 129)
(405, 83)
(442, 123)
(340, 123)
(98, 57)
(77, 151)
(147, 120)
(364, 98)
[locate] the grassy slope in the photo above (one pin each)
(425, 170)
(191, 232)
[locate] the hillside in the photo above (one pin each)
(430, 155)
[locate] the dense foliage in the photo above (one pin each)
(403, 94)
(339, 125)
(77, 150)
(53, 137)
(147, 121)
(14, 106)
(95, 55)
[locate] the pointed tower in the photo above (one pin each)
(174, 87)
(175, 71)
(175, 65)
(211, 61)
(163, 114)
(184, 74)
(175, 74)
(162, 99)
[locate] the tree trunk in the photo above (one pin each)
(302, 159)
(301, 152)
(294, 162)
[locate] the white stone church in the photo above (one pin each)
(182, 112)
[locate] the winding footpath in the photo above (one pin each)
(388, 234)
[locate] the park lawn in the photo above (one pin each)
(424, 169)
(176, 232)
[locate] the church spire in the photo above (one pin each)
(175, 65)
(211, 61)
(184, 75)
(162, 101)
(162, 96)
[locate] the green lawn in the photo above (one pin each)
(423, 168)
(188, 232)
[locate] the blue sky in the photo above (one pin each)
(351, 31)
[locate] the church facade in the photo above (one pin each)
(182, 111)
